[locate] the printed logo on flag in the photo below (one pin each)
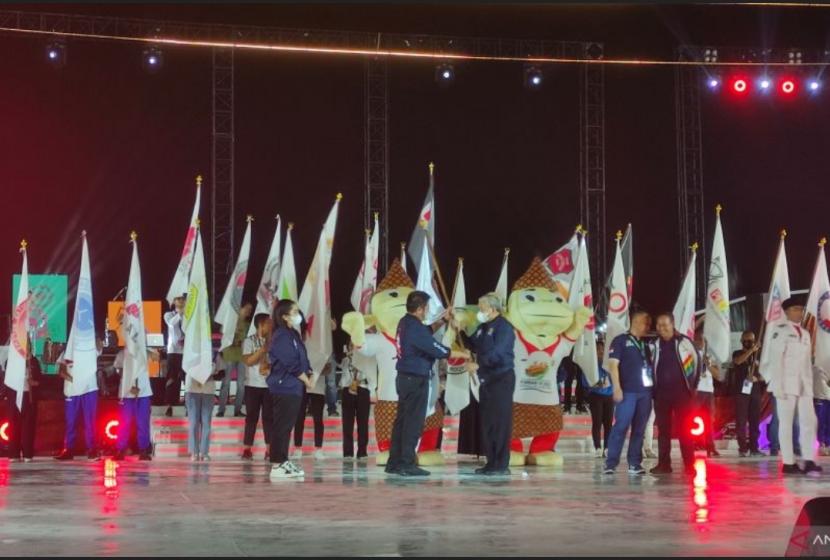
(240, 273)
(617, 302)
(823, 318)
(718, 301)
(775, 310)
(21, 319)
(561, 262)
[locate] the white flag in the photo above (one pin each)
(684, 307)
(618, 304)
(403, 256)
(287, 284)
(180, 280)
(81, 350)
(425, 275)
(197, 359)
(561, 264)
(267, 289)
(818, 312)
(315, 299)
(134, 373)
(716, 324)
(19, 343)
(501, 285)
(581, 295)
(779, 290)
(426, 221)
(367, 278)
(228, 313)
(457, 389)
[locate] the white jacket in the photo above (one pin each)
(821, 384)
(787, 366)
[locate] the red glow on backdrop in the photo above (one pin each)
(698, 427)
(112, 429)
(4, 431)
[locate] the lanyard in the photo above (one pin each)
(640, 346)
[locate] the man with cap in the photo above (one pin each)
(787, 368)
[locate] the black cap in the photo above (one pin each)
(793, 301)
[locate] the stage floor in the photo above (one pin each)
(229, 508)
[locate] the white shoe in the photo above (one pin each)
(194, 458)
(649, 454)
(281, 472)
(319, 455)
(294, 470)
(598, 453)
(28, 460)
(205, 457)
(297, 453)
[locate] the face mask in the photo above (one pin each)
(296, 320)
(482, 317)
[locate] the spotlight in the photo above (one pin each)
(813, 85)
(794, 56)
(713, 82)
(152, 59)
(710, 55)
(444, 74)
(56, 53)
(764, 83)
(533, 77)
(739, 85)
(788, 87)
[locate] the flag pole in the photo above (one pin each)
(441, 285)
(455, 285)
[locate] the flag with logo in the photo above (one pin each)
(425, 282)
(779, 290)
(617, 321)
(135, 337)
(560, 264)
(197, 358)
(501, 285)
(716, 325)
(818, 311)
(81, 349)
(315, 299)
(19, 344)
(457, 391)
(180, 279)
(426, 221)
(684, 307)
(228, 313)
(367, 277)
(287, 284)
(267, 288)
(581, 295)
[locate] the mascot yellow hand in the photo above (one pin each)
(581, 318)
(355, 326)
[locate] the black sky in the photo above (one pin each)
(101, 145)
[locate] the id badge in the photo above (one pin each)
(747, 388)
(647, 381)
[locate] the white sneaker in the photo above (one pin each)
(280, 472)
(319, 455)
(27, 459)
(294, 470)
(297, 453)
(598, 453)
(649, 454)
(205, 457)
(194, 458)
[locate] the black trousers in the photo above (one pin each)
(602, 417)
(574, 374)
(175, 376)
(748, 409)
(316, 403)
(22, 423)
(496, 409)
(256, 399)
(356, 407)
(413, 394)
(286, 408)
(705, 401)
(669, 413)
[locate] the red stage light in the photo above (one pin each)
(739, 85)
(698, 426)
(788, 86)
(112, 429)
(4, 433)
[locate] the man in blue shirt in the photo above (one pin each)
(631, 375)
(417, 352)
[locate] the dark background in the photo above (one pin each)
(101, 145)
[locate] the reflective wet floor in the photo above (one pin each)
(229, 508)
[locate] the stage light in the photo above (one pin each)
(813, 85)
(533, 77)
(4, 432)
(713, 83)
(112, 429)
(764, 84)
(56, 53)
(739, 85)
(794, 56)
(444, 74)
(697, 426)
(710, 55)
(152, 59)
(788, 87)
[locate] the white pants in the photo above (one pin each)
(648, 439)
(806, 423)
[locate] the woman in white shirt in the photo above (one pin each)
(706, 394)
(314, 399)
(356, 381)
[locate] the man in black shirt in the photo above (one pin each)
(747, 387)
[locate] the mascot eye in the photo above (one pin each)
(560, 300)
(393, 294)
(530, 297)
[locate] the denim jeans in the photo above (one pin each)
(331, 392)
(199, 414)
(225, 388)
(823, 417)
(632, 412)
(772, 432)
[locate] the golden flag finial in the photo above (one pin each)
(277, 217)
(290, 225)
(198, 222)
(783, 233)
(431, 168)
(460, 260)
(578, 228)
(23, 244)
(339, 196)
(403, 244)
(584, 233)
(377, 215)
(694, 247)
(718, 208)
(83, 233)
(368, 232)
(822, 242)
(619, 234)
(133, 235)
(506, 251)
(249, 218)
(198, 180)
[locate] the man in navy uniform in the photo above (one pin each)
(417, 352)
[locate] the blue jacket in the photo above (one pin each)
(417, 349)
(289, 360)
(599, 389)
(493, 344)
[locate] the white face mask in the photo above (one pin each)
(482, 317)
(296, 320)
